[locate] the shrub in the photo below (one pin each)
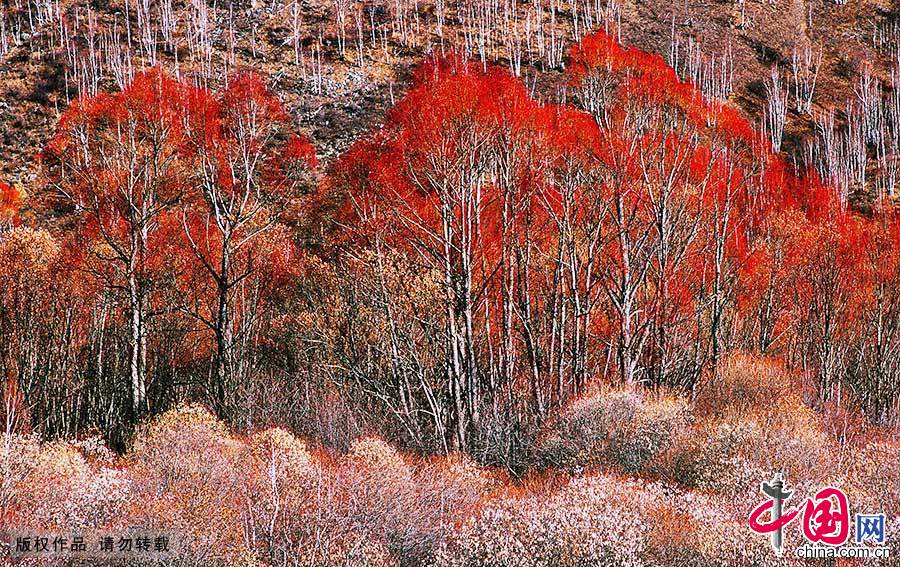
(442, 491)
(623, 429)
(51, 486)
(585, 523)
(18, 458)
(95, 449)
(104, 500)
(42, 482)
(371, 454)
(276, 453)
(606, 520)
(372, 506)
(190, 474)
(731, 456)
(875, 477)
(387, 495)
(280, 477)
(750, 422)
(267, 499)
(744, 385)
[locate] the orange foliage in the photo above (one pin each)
(10, 202)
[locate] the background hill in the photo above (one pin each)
(339, 65)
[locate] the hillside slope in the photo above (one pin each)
(50, 52)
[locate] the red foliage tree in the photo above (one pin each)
(211, 169)
(246, 164)
(10, 204)
(116, 160)
(683, 166)
(454, 179)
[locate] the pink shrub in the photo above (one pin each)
(623, 429)
(44, 480)
(190, 475)
(743, 385)
(582, 524)
(268, 499)
(874, 477)
(606, 520)
(749, 421)
(51, 486)
(733, 455)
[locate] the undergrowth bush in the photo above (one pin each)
(622, 429)
(658, 480)
(605, 521)
(189, 471)
(875, 477)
